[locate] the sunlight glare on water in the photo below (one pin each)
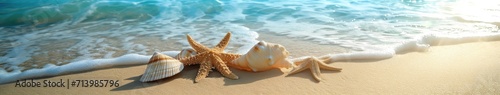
(64, 31)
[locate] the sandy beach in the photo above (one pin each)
(469, 68)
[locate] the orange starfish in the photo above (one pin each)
(210, 58)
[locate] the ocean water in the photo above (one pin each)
(52, 37)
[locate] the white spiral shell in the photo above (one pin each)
(188, 52)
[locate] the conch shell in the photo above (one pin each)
(161, 66)
(263, 56)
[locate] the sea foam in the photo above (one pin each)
(417, 45)
(79, 66)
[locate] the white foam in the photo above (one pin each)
(79, 66)
(416, 45)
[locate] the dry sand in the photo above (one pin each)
(470, 68)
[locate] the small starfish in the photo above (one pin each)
(314, 64)
(210, 58)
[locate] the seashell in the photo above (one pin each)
(161, 66)
(263, 56)
(188, 52)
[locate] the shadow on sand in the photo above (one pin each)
(190, 72)
(136, 84)
(187, 72)
(245, 77)
(307, 75)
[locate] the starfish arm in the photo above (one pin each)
(315, 71)
(222, 68)
(203, 71)
(223, 43)
(326, 59)
(228, 57)
(301, 61)
(196, 46)
(192, 60)
(301, 67)
(315, 65)
(323, 65)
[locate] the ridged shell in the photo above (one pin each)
(161, 66)
(186, 53)
(264, 56)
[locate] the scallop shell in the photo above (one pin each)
(264, 56)
(188, 52)
(161, 66)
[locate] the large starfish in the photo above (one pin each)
(314, 64)
(210, 58)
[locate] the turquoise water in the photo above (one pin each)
(64, 31)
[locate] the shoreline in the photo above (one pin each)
(469, 68)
